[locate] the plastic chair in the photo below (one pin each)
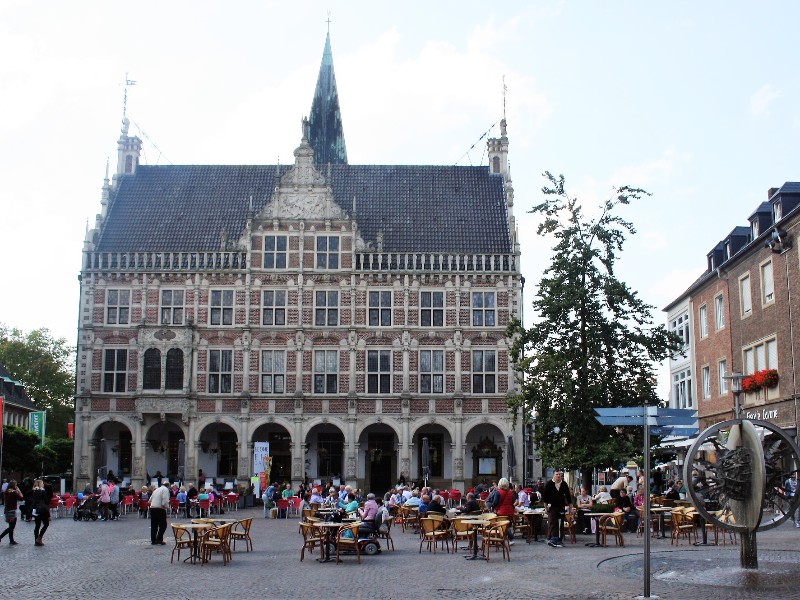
(294, 504)
(174, 506)
(55, 506)
(232, 502)
(144, 508)
(283, 508)
(204, 505)
(241, 531)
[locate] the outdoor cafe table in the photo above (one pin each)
(596, 517)
(661, 511)
(531, 516)
(194, 528)
(330, 530)
(476, 525)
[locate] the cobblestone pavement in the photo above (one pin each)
(95, 559)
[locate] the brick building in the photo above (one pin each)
(743, 316)
(339, 312)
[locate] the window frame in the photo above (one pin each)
(745, 284)
(171, 370)
(483, 374)
(719, 312)
(682, 381)
(275, 308)
(766, 301)
(275, 255)
(116, 374)
(722, 373)
(431, 310)
(379, 378)
(118, 308)
(705, 381)
(702, 321)
(325, 376)
(325, 258)
(326, 309)
(222, 307)
(170, 309)
(151, 373)
(428, 378)
(223, 376)
(483, 311)
(381, 312)
(273, 374)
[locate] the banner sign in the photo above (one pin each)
(71, 431)
(262, 464)
(37, 425)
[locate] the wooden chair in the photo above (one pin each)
(611, 524)
(430, 532)
(307, 512)
(460, 531)
(387, 533)
(183, 540)
(495, 536)
(521, 525)
(345, 541)
(682, 526)
(312, 537)
(241, 531)
(642, 523)
(216, 540)
(569, 526)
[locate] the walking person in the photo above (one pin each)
(105, 499)
(113, 499)
(11, 495)
(41, 510)
(159, 502)
(557, 497)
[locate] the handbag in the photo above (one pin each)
(11, 516)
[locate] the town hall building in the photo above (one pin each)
(340, 312)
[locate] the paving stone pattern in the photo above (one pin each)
(98, 559)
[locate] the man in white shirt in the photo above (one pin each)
(620, 483)
(159, 502)
(522, 497)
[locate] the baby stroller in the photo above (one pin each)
(87, 510)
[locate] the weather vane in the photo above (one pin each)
(128, 83)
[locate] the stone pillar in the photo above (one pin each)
(458, 448)
(405, 439)
(91, 466)
(243, 448)
(298, 452)
(137, 468)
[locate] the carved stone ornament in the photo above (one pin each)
(458, 467)
(164, 335)
(297, 468)
(405, 465)
(84, 467)
(162, 406)
(351, 467)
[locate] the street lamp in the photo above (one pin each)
(736, 388)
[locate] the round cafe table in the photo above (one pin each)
(330, 530)
(661, 511)
(476, 525)
(194, 528)
(596, 518)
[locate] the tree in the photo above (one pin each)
(19, 451)
(593, 344)
(45, 366)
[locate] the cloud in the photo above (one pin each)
(762, 99)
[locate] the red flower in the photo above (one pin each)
(750, 385)
(766, 378)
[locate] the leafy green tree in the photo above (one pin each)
(20, 454)
(593, 343)
(60, 459)
(45, 366)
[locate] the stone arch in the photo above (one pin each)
(492, 431)
(112, 449)
(287, 424)
(340, 424)
(393, 423)
(205, 421)
(417, 424)
(325, 443)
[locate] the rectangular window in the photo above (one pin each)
(326, 371)
(115, 371)
(379, 372)
(722, 367)
(483, 309)
(380, 309)
(172, 307)
(273, 307)
(431, 371)
(680, 327)
(275, 251)
(431, 309)
(706, 376)
(327, 252)
(703, 321)
(221, 305)
(326, 308)
(682, 389)
(484, 371)
(118, 307)
(220, 371)
(763, 355)
(754, 229)
(273, 371)
(719, 312)
(767, 284)
(744, 295)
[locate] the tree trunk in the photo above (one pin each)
(586, 478)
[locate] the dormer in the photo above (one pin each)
(784, 200)
(760, 220)
(715, 257)
(736, 240)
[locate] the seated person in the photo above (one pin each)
(623, 503)
(367, 515)
(584, 503)
(674, 491)
(413, 500)
(471, 504)
(202, 495)
(602, 495)
(523, 500)
(316, 497)
(423, 504)
(350, 505)
(333, 498)
(181, 495)
(436, 505)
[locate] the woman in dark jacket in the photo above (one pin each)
(11, 496)
(41, 506)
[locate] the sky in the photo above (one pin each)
(696, 102)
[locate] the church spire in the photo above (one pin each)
(326, 134)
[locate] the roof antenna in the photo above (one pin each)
(505, 89)
(128, 83)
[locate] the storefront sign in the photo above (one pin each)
(763, 414)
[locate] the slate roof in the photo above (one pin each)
(447, 209)
(14, 394)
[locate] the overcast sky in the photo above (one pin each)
(697, 102)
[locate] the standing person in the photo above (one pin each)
(620, 483)
(41, 511)
(159, 502)
(791, 490)
(557, 497)
(504, 506)
(11, 495)
(201, 479)
(113, 500)
(105, 499)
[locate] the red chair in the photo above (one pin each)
(232, 501)
(204, 505)
(294, 504)
(144, 508)
(483, 495)
(126, 504)
(69, 503)
(174, 506)
(455, 497)
(55, 506)
(283, 507)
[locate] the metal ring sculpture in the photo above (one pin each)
(743, 474)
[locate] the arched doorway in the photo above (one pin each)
(484, 457)
(113, 451)
(325, 456)
(378, 458)
(165, 452)
(440, 463)
(280, 450)
(219, 453)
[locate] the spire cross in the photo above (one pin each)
(328, 21)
